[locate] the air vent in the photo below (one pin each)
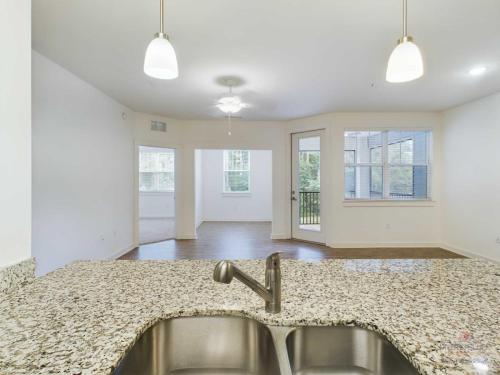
(158, 126)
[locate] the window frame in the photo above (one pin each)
(386, 198)
(376, 165)
(402, 165)
(355, 180)
(224, 170)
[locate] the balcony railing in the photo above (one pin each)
(309, 207)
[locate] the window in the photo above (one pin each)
(156, 170)
(350, 174)
(376, 177)
(400, 155)
(386, 164)
(236, 171)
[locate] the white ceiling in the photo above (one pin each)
(297, 57)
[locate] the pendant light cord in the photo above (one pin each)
(405, 18)
(161, 17)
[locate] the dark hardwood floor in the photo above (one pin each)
(218, 240)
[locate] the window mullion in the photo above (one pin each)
(385, 167)
(156, 179)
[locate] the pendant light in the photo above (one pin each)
(405, 63)
(160, 61)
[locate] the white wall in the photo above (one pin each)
(172, 138)
(248, 135)
(156, 205)
(188, 136)
(255, 206)
(198, 181)
(349, 224)
(15, 131)
(356, 224)
(82, 170)
(471, 178)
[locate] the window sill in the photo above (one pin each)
(235, 194)
(156, 192)
(389, 203)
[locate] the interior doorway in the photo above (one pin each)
(307, 186)
(233, 194)
(156, 194)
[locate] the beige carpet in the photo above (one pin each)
(156, 229)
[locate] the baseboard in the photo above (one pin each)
(119, 253)
(280, 236)
(156, 217)
(467, 253)
(360, 245)
(186, 237)
(235, 221)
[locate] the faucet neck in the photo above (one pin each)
(273, 261)
(273, 283)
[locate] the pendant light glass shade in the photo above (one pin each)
(405, 63)
(161, 61)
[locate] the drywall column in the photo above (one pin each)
(198, 187)
(15, 131)
(185, 207)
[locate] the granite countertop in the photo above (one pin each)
(443, 315)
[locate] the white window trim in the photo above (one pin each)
(391, 202)
(236, 193)
(156, 192)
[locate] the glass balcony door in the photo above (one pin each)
(306, 186)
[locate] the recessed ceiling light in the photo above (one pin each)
(477, 71)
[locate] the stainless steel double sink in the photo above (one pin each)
(228, 345)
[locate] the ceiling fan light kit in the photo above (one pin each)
(230, 103)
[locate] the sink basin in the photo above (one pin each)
(203, 345)
(343, 350)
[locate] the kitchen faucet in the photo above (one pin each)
(271, 293)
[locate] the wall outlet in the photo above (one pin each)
(498, 240)
(388, 226)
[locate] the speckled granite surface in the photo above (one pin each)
(442, 314)
(17, 275)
